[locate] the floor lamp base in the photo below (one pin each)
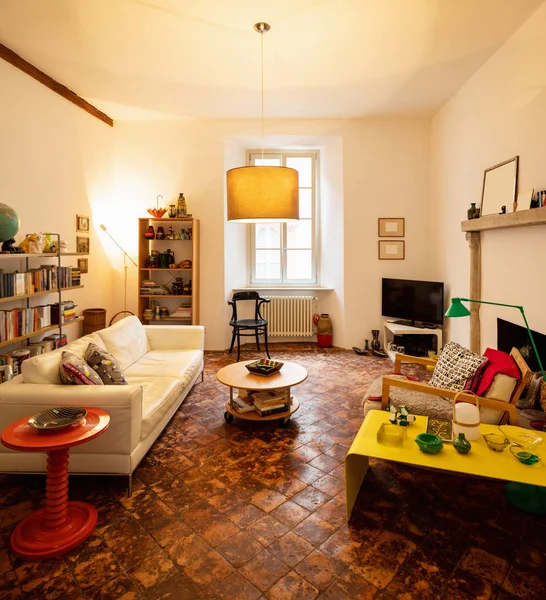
(530, 498)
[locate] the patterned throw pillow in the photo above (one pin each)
(455, 365)
(75, 371)
(106, 366)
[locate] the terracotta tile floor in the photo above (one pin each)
(248, 511)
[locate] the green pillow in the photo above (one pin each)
(105, 365)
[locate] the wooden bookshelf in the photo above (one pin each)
(54, 291)
(39, 331)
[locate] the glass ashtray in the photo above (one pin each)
(524, 438)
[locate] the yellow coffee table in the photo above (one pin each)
(480, 461)
(237, 376)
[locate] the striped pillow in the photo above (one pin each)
(75, 371)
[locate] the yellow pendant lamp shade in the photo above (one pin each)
(261, 194)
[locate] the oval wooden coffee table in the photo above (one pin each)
(237, 376)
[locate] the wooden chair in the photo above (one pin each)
(509, 408)
(257, 326)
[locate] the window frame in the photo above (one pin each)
(283, 155)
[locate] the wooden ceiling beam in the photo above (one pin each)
(28, 68)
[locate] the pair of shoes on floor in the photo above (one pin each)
(364, 352)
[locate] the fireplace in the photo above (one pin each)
(510, 335)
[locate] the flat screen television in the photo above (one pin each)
(412, 302)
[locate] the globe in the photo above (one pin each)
(9, 222)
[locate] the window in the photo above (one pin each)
(286, 253)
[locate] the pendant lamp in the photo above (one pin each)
(262, 193)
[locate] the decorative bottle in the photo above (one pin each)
(181, 209)
(149, 234)
(461, 444)
(375, 343)
(471, 212)
(160, 235)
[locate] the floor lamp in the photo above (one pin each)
(125, 266)
(530, 498)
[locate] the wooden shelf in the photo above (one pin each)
(39, 331)
(167, 319)
(164, 296)
(40, 255)
(520, 218)
(45, 292)
(161, 269)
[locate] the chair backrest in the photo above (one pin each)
(243, 297)
(525, 371)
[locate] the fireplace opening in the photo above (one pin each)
(510, 335)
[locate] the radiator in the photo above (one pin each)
(289, 315)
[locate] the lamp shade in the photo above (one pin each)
(262, 194)
(457, 309)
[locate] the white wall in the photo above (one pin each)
(499, 113)
(54, 164)
(384, 173)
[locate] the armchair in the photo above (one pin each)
(424, 399)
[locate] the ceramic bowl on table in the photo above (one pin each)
(429, 443)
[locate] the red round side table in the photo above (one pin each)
(62, 524)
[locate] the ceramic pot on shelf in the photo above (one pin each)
(461, 444)
(471, 212)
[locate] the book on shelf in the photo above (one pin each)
(242, 406)
(273, 410)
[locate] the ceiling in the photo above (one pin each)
(201, 58)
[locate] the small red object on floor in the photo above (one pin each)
(62, 524)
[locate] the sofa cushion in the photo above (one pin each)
(105, 365)
(158, 396)
(126, 340)
(75, 371)
(502, 389)
(455, 365)
(182, 364)
(44, 368)
(417, 403)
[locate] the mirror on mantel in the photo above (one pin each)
(500, 184)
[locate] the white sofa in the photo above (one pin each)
(160, 363)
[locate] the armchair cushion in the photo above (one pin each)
(497, 362)
(75, 371)
(417, 403)
(455, 365)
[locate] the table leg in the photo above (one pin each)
(356, 467)
(61, 525)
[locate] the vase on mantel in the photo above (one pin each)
(471, 212)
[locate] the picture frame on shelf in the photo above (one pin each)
(524, 200)
(391, 227)
(391, 250)
(82, 224)
(83, 265)
(82, 245)
(500, 183)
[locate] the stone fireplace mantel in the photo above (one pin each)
(473, 229)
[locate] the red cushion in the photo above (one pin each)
(499, 362)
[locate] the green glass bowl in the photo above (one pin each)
(525, 458)
(429, 443)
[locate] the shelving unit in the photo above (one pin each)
(391, 329)
(8, 259)
(185, 249)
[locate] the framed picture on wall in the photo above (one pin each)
(83, 265)
(82, 224)
(392, 250)
(391, 227)
(82, 245)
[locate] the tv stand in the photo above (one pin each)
(392, 328)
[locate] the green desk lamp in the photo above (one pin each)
(529, 498)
